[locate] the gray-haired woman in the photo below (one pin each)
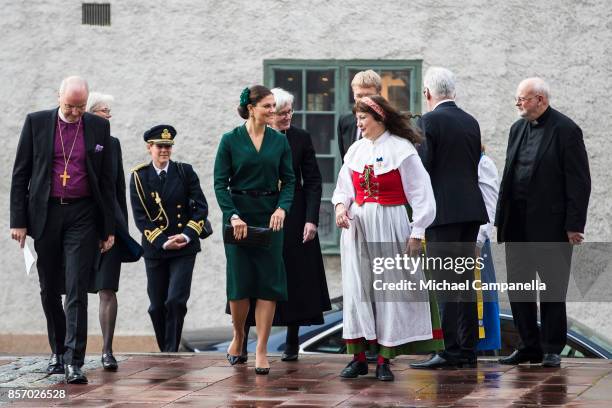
(308, 296)
(105, 275)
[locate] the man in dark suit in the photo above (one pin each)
(364, 83)
(170, 210)
(451, 155)
(541, 212)
(61, 192)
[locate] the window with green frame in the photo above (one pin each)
(322, 91)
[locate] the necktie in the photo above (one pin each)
(162, 178)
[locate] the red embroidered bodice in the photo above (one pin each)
(385, 189)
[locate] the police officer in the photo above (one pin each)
(170, 210)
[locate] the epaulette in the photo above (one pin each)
(140, 166)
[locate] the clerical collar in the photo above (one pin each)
(160, 170)
(542, 119)
(63, 118)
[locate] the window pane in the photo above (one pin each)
(297, 120)
(327, 222)
(396, 88)
(321, 128)
(326, 166)
(328, 173)
(320, 90)
(290, 81)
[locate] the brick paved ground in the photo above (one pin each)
(207, 380)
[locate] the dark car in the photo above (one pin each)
(327, 338)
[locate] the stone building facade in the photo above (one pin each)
(185, 63)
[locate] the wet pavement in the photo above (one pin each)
(207, 380)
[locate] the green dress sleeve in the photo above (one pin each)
(287, 178)
(222, 175)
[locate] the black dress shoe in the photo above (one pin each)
(467, 362)
(109, 362)
(74, 375)
(383, 372)
(437, 361)
(290, 354)
(551, 360)
(519, 357)
(56, 364)
(354, 368)
(262, 371)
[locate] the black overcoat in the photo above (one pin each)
(560, 183)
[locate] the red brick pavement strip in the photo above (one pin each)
(207, 380)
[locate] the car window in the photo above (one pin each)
(591, 335)
(332, 343)
(577, 351)
(510, 339)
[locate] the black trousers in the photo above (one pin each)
(458, 310)
(66, 251)
(169, 287)
(552, 262)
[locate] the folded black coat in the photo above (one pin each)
(105, 273)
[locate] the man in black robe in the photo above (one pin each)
(541, 212)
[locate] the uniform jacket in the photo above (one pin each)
(179, 208)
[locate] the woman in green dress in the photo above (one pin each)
(254, 184)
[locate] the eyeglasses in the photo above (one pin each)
(106, 111)
(522, 99)
(163, 146)
(286, 113)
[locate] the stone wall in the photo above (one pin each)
(185, 62)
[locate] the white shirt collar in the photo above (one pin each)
(442, 101)
(62, 117)
(160, 170)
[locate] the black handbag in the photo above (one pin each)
(257, 237)
(129, 249)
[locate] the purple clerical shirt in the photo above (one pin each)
(78, 184)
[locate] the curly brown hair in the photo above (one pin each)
(395, 122)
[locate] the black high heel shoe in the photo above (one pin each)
(262, 371)
(243, 358)
(233, 360)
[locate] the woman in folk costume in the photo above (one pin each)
(382, 173)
